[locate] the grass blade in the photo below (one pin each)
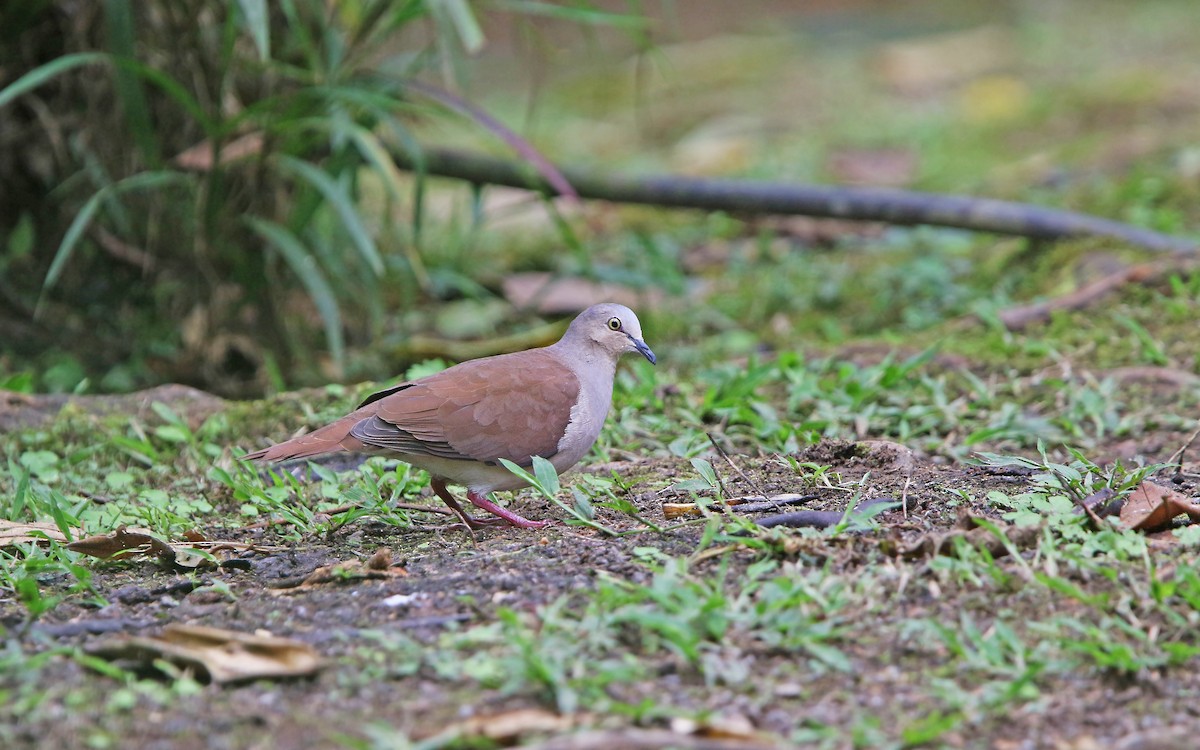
(83, 219)
(118, 16)
(574, 14)
(374, 152)
(44, 73)
(458, 14)
(305, 267)
(546, 474)
(173, 89)
(71, 238)
(257, 21)
(341, 204)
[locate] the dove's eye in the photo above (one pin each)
(614, 324)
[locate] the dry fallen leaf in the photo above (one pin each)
(13, 533)
(508, 727)
(124, 542)
(1151, 507)
(222, 656)
(994, 98)
(381, 560)
(378, 566)
(200, 157)
(735, 727)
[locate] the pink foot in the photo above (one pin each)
(500, 515)
(480, 501)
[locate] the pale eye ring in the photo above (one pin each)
(614, 324)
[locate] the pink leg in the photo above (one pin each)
(439, 487)
(480, 501)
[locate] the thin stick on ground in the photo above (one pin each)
(1022, 316)
(721, 452)
(649, 739)
(1177, 457)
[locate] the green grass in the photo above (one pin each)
(164, 475)
(768, 345)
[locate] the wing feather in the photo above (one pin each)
(514, 406)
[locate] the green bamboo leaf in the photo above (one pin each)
(575, 14)
(377, 155)
(20, 241)
(380, 158)
(299, 34)
(305, 266)
(258, 22)
(342, 205)
(172, 89)
(84, 218)
(44, 73)
(119, 23)
(459, 15)
(71, 238)
(413, 148)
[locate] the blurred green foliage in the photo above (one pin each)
(194, 186)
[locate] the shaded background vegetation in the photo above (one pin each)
(130, 255)
(184, 193)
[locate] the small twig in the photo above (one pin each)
(904, 495)
(721, 452)
(649, 739)
(720, 484)
(1016, 318)
(123, 251)
(745, 504)
(1172, 376)
(775, 502)
(1088, 506)
(1177, 456)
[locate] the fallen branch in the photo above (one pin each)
(648, 739)
(1017, 318)
(887, 205)
(902, 207)
(817, 519)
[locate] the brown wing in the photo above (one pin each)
(513, 406)
(334, 436)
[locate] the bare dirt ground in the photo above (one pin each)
(452, 582)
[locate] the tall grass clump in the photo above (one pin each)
(193, 187)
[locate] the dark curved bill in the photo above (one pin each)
(644, 350)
